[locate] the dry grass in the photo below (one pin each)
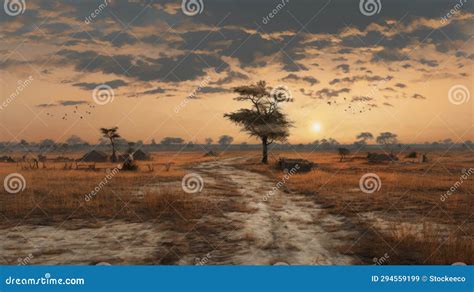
(55, 195)
(436, 232)
(410, 192)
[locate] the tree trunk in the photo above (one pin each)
(265, 150)
(114, 157)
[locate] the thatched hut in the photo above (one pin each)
(94, 156)
(141, 155)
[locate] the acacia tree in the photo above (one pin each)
(362, 139)
(264, 120)
(111, 134)
(225, 140)
(387, 138)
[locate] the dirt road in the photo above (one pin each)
(249, 227)
(278, 228)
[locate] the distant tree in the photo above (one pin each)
(468, 144)
(387, 138)
(264, 119)
(171, 140)
(365, 136)
(326, 143)
(447, 142)
(208, 141)
(343, 152)
(112, 135)
(64, 147)
(153, 142)
(75, 140)
(362, 139)
(131, 147)
(47, 144)
(225, 140)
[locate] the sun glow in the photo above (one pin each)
(316, 127)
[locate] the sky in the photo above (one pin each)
(160, 68)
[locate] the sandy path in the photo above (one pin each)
(285, 228)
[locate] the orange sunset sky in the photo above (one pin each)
(347, 72)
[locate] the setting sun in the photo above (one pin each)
(316, 127)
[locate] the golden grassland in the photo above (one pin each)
(406, 219)
(54, 194)
(408, 205)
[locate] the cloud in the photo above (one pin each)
(400, 85)
(361, 98)
(153, 91)
(117, 83)
(418, 96)
(213, 90)
(389, 55)
(430, 63)
(231, 77)
(343, 67)
(357, 78)
(62, 103)
(71, 102)
(294, 77)
(142, 68)
(46, 105)
(328, 93)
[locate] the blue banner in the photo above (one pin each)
(237, 278)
